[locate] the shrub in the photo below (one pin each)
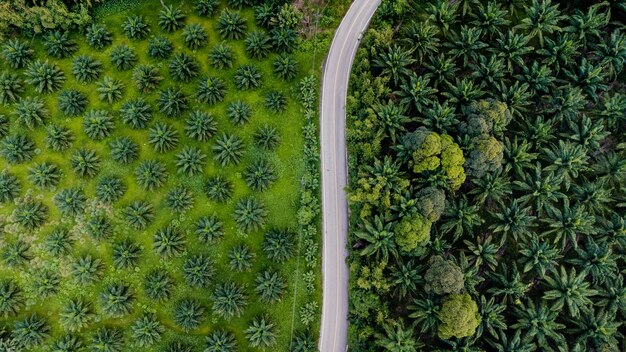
(221, 56)
(59, 45)
(107, 339)
(284, 40)
(188, 313)
(117, 299)
(194, 36)
(259, 176)
(134, 27)
(239, 112)
(86, 69)
(98, 124)
(44, 175)
(200, 126)
(11, 298)
(231, 25)
(190, 161)
(158, 285)
(171, 18)
(151, 174)
(124, 150)
(110, 189)
(31, 112)
(229, 300)
(261, 333)
(17, 53)
(198, 271)
(258, 45)
(45, 77)
(275, 101)
(126, 254)
(172, 102)
(72, 102)
(179, 199)
(147, 78)
(86, 269)
(211, 90)
(31, 331)
(183, 67)
(59, 138)
(220, 341)
(240, 258)
(205, 8)
(209, 229)
(285, 67)
(110, 90)
(168, 242)
(160, 48)
(58, 242)
(267, 138)
(248, 77)
(31, 214)
(85, 162)
(16, 253)
(17, 149)
(99, 227)
(228, 149)
(98, 36)
(138, 214)
(250, 214)
(163, 137)
(70, 201)
(147, 330)
(123, 57)
(278, 245)
(9, 187)
(270, 286)
(76, 315)
(459, 317)
(10, 87)
(218, 189)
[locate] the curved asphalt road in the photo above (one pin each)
(334, 329)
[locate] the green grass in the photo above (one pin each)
(281, 199)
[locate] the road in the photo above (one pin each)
(334, 329)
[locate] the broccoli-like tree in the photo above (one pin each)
(136, 113)
(285, 67)
(261, 333)
(17, 53)
(138, 214)
(10, 186)
(267, 138)
(110, 189)
(147, 330)
(231, 25)
(188, 313)
(44, 175)
(11, 86)
(200, 126)
(98, 124)
(259, 176)
(248, 77)
(220, 341)
(443, 277)
(45, 77)
(76, 315)
(126, 254)
(171, 18)
(31, 214)
(258, 45)
(17, 149)
(240, 258)
(270, 286)
(179, 199)
(250, 214)
(163, 137)
(86, 69)
(31, 112)
(168, 242)
(86, 269)
(135, 27)
(110, 90)
(195, 36)
(158, 285)
(16, 253)
(221, 56)
(59, 242)
(218, 189)
(172, 102)
(107, 339)
(98, 36)
(190, 161)
(151, 174)
(228, 149)
(160, 47)
(239, 112)
(59, 44)
(278, 245)
(147, 78)
(459, 316)
(31, 331)
(85, 162)
(275, 101)
(198, 271)
(211, 90)
(123, 57)
(124, 150)
(11, 298)
(70, 201)
(117, 299)
(72, 102)
(99, 226)
(412, 231)
(229, 300)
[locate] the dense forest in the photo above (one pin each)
(488, 177)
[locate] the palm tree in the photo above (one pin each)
(59, 45)
(211, 90)
(416, 91)
(17, 53)
(228, 149)
(86, 269)
(147, 330)
(248, 77)
(229, 300)
(569, 289)
(85, 162)
(110, 189)
(397, 338)
(160, 47)
(267, 138)
(541, 17)
(284, 40)
(612, 52)
(31, 331)
(11, 86)
(163, 137)
(17, 149)
(117, 299)
(138, 214)
(258, 45)
(209, 228)
(151, 174)
(406, 277)
(183, 67)
(70, 201)
(395, 63)
(259, 176)
(391, 119)
(380, 239)
(205, 8)
(198, 271)
(303, 342)
(540, 189)
(493, 188)
(514, 220)
(239, 112)
(566, 223)
(463, 92)
(596, 328)
(586, 132)
(278, 245)
(168, 242)
(188, 313)
(136, 113)
(195, 36)
(98, 36)
(218, 189)
(425, 313)
(220, 341)
(98, 124)
(596, 259)
(443, 14)
(261, 333)
(107, 339)
(72, 102)
(76, 315)
(512, 47)
(171, 18)
(460, 218)
(488, 71)
(492, 318)
(16, 254)
(221, 56)
(285, 67)
(123, 58)
(179, 199)
(10, 186)
(45, 77)
(566, 160)
(275, 101)
(178, 345)
(158, 285)
(172, 102)
(507, 283)
(504, 342)
(560, 52)
(538, 254)
(67, 343)
(612, 111)
(241, 258)
(110, 90)
(11, 298)
(231, 25)
(31, 112)
(59, 138)
(86, 69)
(490, 18)
(44, 175)
(250, 214)
(135, 27)
(588, 77)
(483, 251)
(422, 37)
(538, 77)
(126, 254)
(190, 161)
(58, 242)
(517, 156)
(594, 196)
(99, 227)
(200, 126)
(466, 44)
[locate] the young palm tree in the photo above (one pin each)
(151, 174)
(264, 14)
(10, 187)
(195, 36)
(158, 285)
(537, 323)
(163, 137)
(179, 199)
(220, 341)
(258, 45)
(58, 242)
(512, 47)
(44, 175)
(597, 260)
(248, 77)
(72, 102)
(221, 56)
(160, 47)
(17, 149)
(391, 118)
(31, 331)
(417, 92)
(460, 218)
(490, 18)
(124, 150)
(466, 44)
(99, 227)
(190, 161)
(261, 333)
(147, 78)
(241, 258)
(209, 228)
(205, 8)
(4, 126)
(67, 343)
(514, 220)
(179, 346)
(267, 138)
(11, 86)
(98, 124)
(110, 189)
(275, 101)
(76, 315)
(11, 298)
(107, 339)
(139, 214)
(110, 90)
(239, 112)
(229, 300)
(188, 314)
(569, 289)
(117, 299)
(443, 14)
(16, 254)
(70, 201)
(211, 90)
(231, 25)
(259, 176)
(270, 286)
(218, 189)
(86, 69)
(136, 113)
(589, 77)
(612, 52)
(135, 27)
(491, 189)
(183, 67)
(541, 17)
(31, 112)
(98, 36)
(168, 242)
(380, 239)
(85, 162)
(126, 254)
(278, 245)
(86, 269)
(198, 271)
(228, 149)
(172, 102)
(284, 40)
(59, 45)
(397, 338)
(45, 77)
(394, 63)
(250, 214)
(285, 67)
(147, 330)
(17, 53)
(200, 126)
(171, 18)
(123, 57)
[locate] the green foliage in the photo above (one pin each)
(231, 25)
(126, 254)
(10, 186)
(99, 227)
(270, 286)
(228, 149)
(163, 137)
(44, 175)
(147, 330)
(45, 77)
(267, 138)
(76, 315)
(258, 45)
(220, 341)
(284, 40)
(195, 36)
(17, 53)
(278, 245)
(172, 102)
(250, 214)
(98, 124)
(229, 300)
(285, 67)
(275, 101)
(135, 27)
(85, 162)
(261, 333)
(58, 138)
(58, 242)
(171, 18)
(117, 299)
(67, 343)
(240, 258)
(218, 189)
(147, 78)
(158, 285)
(98, 36)
(179, 199)
(190, 161)
(205, 8)
(123, 57)
(86, 269)
(16, 253)
(136, 113)
(188, 314)
(221, 56)
(200, 126)
(110, 189)
(248, 77)
(107, 339)
(211, 90)
(209, 229)
(198, 271)
(160, 47)
(31, 112)
(31, 214)
(72, 102)
(11, 87)
(239, 112)
(70, 201)
(59, 45)
(124, 150)
(86, 69)
(17, 149)
(183, 67)
(151, 174)
(11, 298)
(259, 176)
(31, 331)
(110, 90)
(168, 242)
(412, 231)
(459, 316)
(138, 214)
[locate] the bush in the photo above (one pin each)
(239, 112)
(86, 69)
(198, 271)
(126, 254)
(160, 48)
(44, 175)
(158, 285)
(183, 67)
(205, 8)
(188, 314)
(179, 199)
(211, 90)
(209, 228)
(195, 36)
(31, 214)
(110, 189)
(147, 78)
(250, 214)
(172, 102)
(200, 126)
(147, 330)
(17, 53)
(261, 333)
(59, 45)
(171, 18)
(9, 187)
(85, 162)
(98, 36)
(270, 286)
(86, 269)
(163, 137)
(267, 138)
(138, 214)
(229, 300)
(45, 77)
(70, 201)
(11, 298)
(231, 25)
(285, 67)
(98, 124)
(248, 77)
(168, 242)
(134, 27)
(228, 149)
(124, 150)
(10, 87)
(17, 149)
(218, 189)
(459, 317)
(31, 112)
(259, 176)
(258, 45)
(110, 90)
(76, 315)
(123, 57)
(117, 299)
(221, 56)
(72, 102)
(151, 174)
(275, 101)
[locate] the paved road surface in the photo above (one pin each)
(334, 329)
